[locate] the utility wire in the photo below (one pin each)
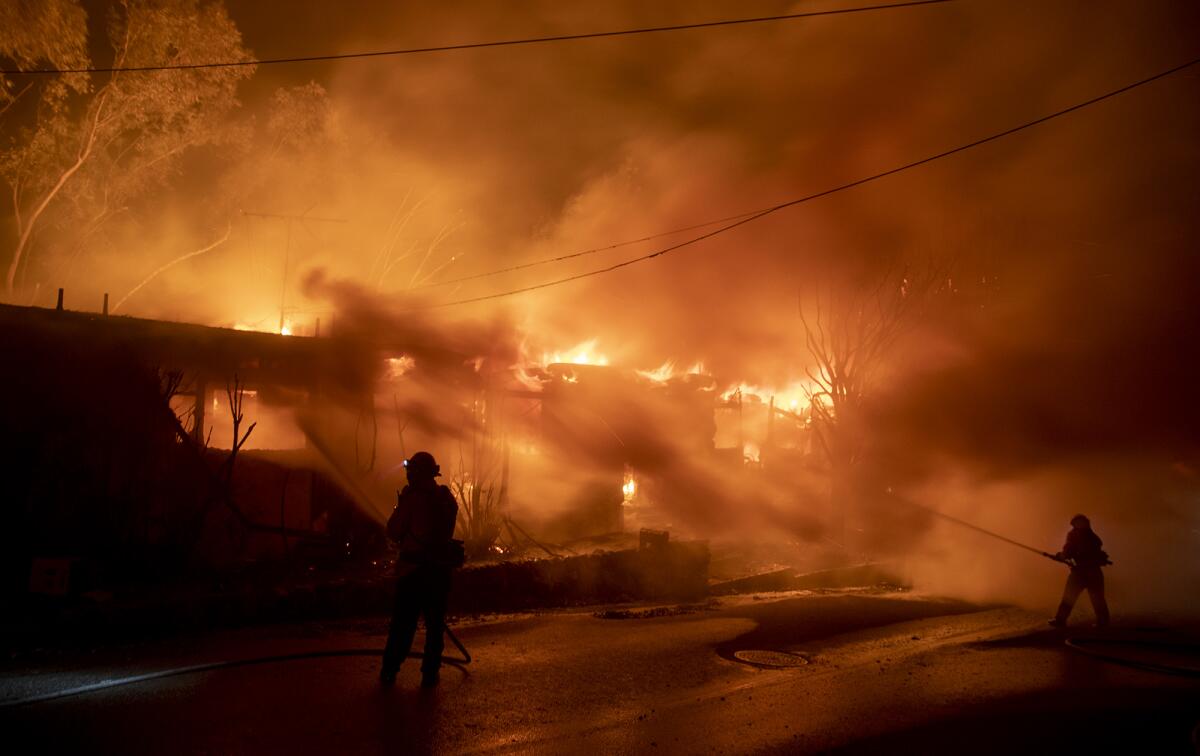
(826, 192)
(583, 253)
(481, 45)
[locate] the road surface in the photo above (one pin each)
(870, 672)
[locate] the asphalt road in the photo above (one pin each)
(875, 673)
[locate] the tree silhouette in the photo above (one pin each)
(850, 331)
(85, 146)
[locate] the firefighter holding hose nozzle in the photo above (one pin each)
(423, 527)
(1083, 553)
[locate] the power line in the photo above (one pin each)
(583, 253)
(826, 192)
(482, 45)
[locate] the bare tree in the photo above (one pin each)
(480, 481)
(172, 384)
(235, 394)
(850, 332)
(479, 513)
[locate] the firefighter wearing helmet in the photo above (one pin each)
(422, 525)
(1083, 553)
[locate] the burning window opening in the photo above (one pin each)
(629, 487)
(751, 452)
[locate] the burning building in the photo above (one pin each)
(116, 452)
(192, 443)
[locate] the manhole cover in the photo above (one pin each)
(773, 659)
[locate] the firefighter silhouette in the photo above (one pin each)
(1084, 554)
(423, 526)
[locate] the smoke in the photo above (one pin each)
(1052, 387)
(460, 388)
(1059, 377)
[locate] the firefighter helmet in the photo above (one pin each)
(422, 463)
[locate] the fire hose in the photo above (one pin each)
(1108, 649)
(225, 664)
(986, 532)
(1105, 649)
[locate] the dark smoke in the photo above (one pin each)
(1058, 376)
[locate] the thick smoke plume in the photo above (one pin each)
(1057, 374)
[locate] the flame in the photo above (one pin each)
(528, 376)
(660, 374)
(791, 398)
(287, 329)
(629, 487)
(667, 371)
(583, 353)
(398, 366)
(751, 452)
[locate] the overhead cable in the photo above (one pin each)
(583, 253)
(482, 45)
(826, 192)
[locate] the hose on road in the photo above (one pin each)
(1088, 646)
(218, 665)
